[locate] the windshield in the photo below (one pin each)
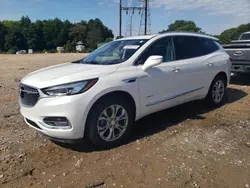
(245, 36)
(114, 52)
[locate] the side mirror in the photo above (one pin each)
(152, 61)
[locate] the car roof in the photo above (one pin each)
(246, 32)
(141, 37)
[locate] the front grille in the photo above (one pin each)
(32, 123)
(28, 95)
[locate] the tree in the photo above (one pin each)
(2, 35)
(233, 34)
(182, 25)
(49, 34)
(78, 33)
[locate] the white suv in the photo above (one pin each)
(100, 96)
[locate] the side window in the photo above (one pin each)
(162, 47)
(190, 47)
(187, 47)
(209, 46)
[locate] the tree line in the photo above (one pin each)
(47, 35)
(225, 37)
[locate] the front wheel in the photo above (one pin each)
(217, 92)
(110, 122)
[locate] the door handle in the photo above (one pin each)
(175, 69)
(210, 64)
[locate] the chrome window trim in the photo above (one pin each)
(172, 97)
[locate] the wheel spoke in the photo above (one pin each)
(111, 133)
(105, 113)
(121, 116)
(120, 128)
(114, 111)
(102, 132)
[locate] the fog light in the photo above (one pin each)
(57, 122)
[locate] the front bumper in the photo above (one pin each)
(72, 107)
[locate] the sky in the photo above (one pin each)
(213, 16)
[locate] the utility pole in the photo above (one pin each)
(146, 17)
(120, 19)
(131, 25)
(145, 22)
(124, 8)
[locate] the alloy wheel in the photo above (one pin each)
(112, 123)
(218, 91)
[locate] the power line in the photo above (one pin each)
(145, 18)
(130, 7)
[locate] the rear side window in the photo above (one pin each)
(208, 46)
(190, 47)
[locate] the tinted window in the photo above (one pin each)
(208, 46)
(190, 47)
(245, 36)
(162, 47)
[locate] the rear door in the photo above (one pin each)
(195, 66)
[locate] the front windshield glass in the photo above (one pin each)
(114, 52)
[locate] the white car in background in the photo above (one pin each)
(100, 96)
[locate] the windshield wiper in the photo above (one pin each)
(91, 62)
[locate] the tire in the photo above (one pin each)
(97, 121)
(213, 99)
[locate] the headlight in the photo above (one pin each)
(70, 88)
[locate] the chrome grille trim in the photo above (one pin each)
(28, 95)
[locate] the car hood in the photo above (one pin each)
(66, 73)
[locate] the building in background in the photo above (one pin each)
(79, 46)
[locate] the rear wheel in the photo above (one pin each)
(110, 122)
(217, 92)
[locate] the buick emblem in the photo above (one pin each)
(238, 53)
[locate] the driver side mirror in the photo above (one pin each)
(152, 61)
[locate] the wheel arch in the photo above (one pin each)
(116, 93)
(222, 74)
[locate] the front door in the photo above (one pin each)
(158, 85)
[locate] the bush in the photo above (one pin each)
(52, 51)
(12, 51)
(69, 47)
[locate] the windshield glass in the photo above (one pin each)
(114, 52)
(245, 36)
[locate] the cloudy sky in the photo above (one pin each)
(213, 16)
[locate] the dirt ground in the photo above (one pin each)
(186, 146)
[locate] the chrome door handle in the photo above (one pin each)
(210, 64)
(176, 69)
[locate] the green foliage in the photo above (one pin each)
(12, 50)
(108, 40)
(96, 33)
(69, 47)
(225, 37)
(2, 33)
(233, 34)
(49, 34)
(119, 37)
(182, 25)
